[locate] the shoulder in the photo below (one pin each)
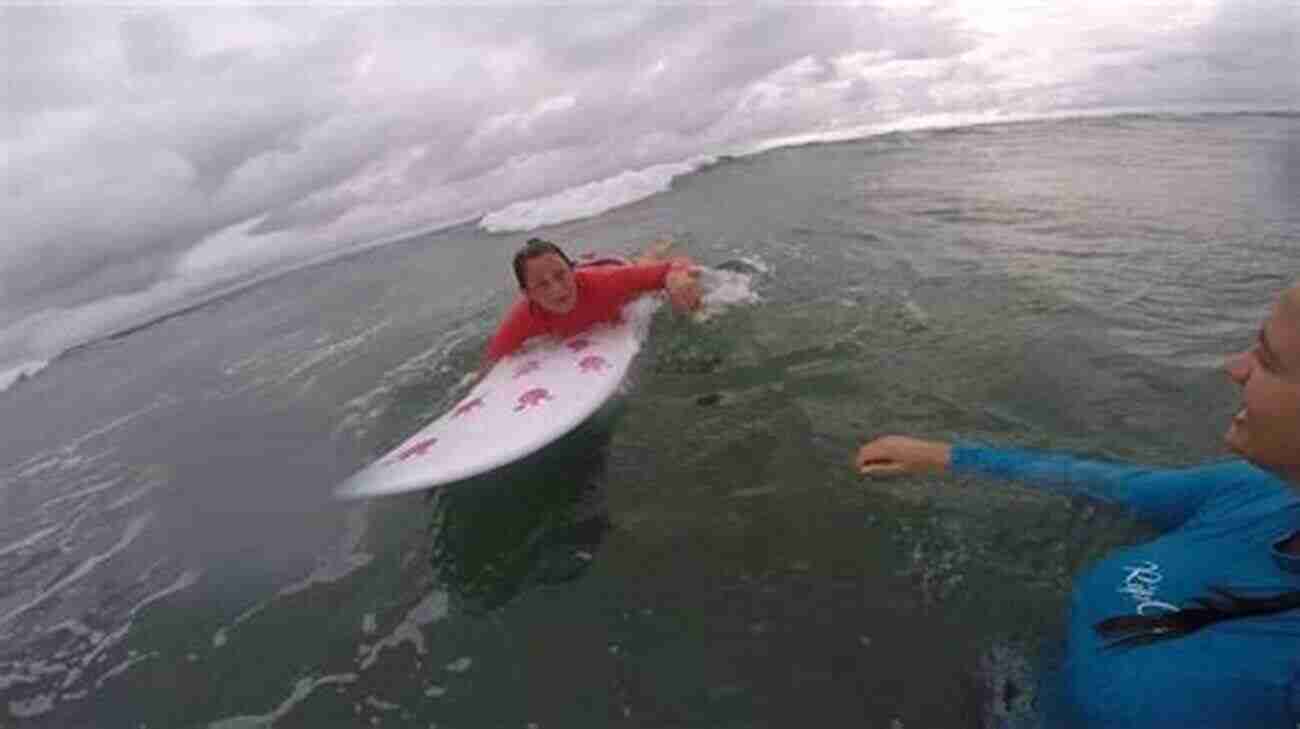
(1249, 477)
(1242, 486)
(520, 310)
(518, 324)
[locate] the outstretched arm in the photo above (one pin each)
(678, 277)
(1164, 497)
(682, 282)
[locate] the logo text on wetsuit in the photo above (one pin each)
(1141, 583)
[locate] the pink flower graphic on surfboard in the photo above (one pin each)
(416, 449)
(467, 407)
(592, 363)
(532, 398)
(531, 365)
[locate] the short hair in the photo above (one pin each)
(532, 249)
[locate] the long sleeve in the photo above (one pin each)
(1164, 497)
(515, 328)
(628, 281)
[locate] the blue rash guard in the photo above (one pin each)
(1221, 526)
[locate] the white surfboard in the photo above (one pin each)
(527, 400)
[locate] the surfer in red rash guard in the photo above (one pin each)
(562, 299)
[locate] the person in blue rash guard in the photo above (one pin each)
(1200, 628)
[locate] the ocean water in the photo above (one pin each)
(701, 554)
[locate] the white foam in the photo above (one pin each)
(919, 316)
(24, 369)
(132, 531)
(118, 422)
(723, 290)
(122, 668)
(367, 407)
(132, 496)
(9, 680)
(433, 607)
(76, 627)
(376, 703)
(591, 199)
(945, 120)
(222, 636)
(187, 579)
(335, 349)
(640, 313)
(43, 335)
(34, 706)
(88, 491)
(39, 464)
(102, 642)
(301, 691)
(28, 540)
(341, 562)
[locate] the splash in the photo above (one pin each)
(728, 285)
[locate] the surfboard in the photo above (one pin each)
(525, 402)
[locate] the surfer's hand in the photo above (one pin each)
(683, 287)
(898, 455)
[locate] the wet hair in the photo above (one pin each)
(532, 249)
(1129, 631)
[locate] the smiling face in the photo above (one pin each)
(549, 283)
(1267, 430)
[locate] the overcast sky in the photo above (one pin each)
(148, 149)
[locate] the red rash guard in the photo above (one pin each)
(602, 292)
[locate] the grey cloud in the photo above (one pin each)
(42, 52)
(237, 136)
(186, 142)
(1247, 54)
(314, 211)
(151, 43)
(713, 56)
(88, 268)
(217, 122)
(1258, 41)
(227, 110)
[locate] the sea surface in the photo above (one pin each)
(701, 554)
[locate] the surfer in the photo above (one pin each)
(562, 299)
(1201, 627)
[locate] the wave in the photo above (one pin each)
(594, 198)
(992, 117)
(20, 372)
(177, 298)
(591, 199)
